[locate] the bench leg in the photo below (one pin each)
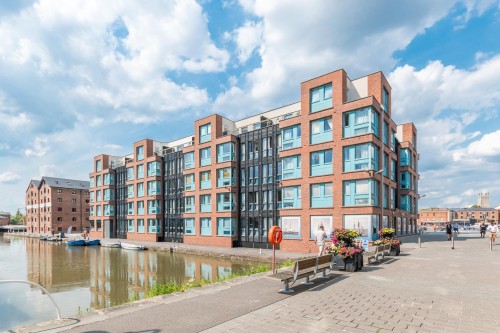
(323, 274)
(287, 289)
(307, 282)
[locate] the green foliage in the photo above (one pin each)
(18, 218)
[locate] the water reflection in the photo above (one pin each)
(84, 278)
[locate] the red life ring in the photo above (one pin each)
(275, 235)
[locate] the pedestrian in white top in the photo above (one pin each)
(320, 239)
(493, 229)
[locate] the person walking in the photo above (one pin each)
(482, 229)
(448, 230)
(493, 229)
(320, 239)
(455, 228)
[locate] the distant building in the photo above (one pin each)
(4, 218)
(483, 200)
(475, 215)
(433, 216)
(55, 204)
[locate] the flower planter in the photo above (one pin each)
(337, 259)
(351, 264)
(395, 250)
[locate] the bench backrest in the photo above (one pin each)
(304, 264)
(324, 261)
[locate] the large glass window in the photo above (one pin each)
(321, 195)
(189, 160)
(189, 182)
(139, 153)
(140, 190)
(130, 191)
(154, 169)
(109, 179)
(140, 207)
(226, 226)
(321, 163)
(291, 137)
(205, 203)
(205, 182)
(291, 197)
(291, 166)
(225, 152)
(189, 227)
(363, 192)
(225, 177)
(140, 171)
(404, 157)
(361, 157)
(321, 130)
(154, 187)
(205, 133)
(205, 157)
(130, 173)
(189, 204)
(154, 207)
(205, 226)
(225, 202)
(321, 98)
(98, 165)
(361, 121)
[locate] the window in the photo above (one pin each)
(405, 180)
(74, 209)
(205, 157)
(291, 137)
(291, 197)
(385, 100)
(140, 190)
(360, 157)
(291, 166)
(205, 182)
(140, 207)
(154, 187)
(225, 202)
(321, 163)
(154, 207)
(139, 153)
(130, 225)
(130, 191)
(205, 226)
(107, 194)
(98, 196)
(385, 133)
(98, 180)
(243, 151)
(385, 165)
(189, 228)
(98, 165)
(189, 204)
(393, 169)
(321, 98)
(290, 225)
(226, 226)
(153, 226)
(109, 179)
(205, 133)
(154, 169)
(140, 225)
(189, 160)
(321, 130)
(108, 210)
(225, 177)
(225, 152)
(363, 192)
(243, 176)
(404, 157)
(359, 122)
(205, 203)
(130, 173)
(140, 171)
(321, 195)
(189, 182)
(317, 221)
(91, 185)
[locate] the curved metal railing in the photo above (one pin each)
(41, 288)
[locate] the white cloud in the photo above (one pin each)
(40, 147)
(247, 37)
(487, 146)
(9, 177)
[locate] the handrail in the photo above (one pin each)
(43, 290)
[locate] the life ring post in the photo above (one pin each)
(275, 235)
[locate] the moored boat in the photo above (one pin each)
(92, 242)
(76, 242)
(130, 246)
(110, 244)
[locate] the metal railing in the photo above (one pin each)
(41, 288)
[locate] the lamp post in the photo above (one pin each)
(420, 228)
(381, 201)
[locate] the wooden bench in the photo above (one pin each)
(305, 268)
(376, 253)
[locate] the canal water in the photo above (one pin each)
(85, 278)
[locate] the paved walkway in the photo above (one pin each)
(429, 289)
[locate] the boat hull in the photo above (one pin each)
(129, 246)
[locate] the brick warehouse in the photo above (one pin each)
(55, 204)
(327, 159)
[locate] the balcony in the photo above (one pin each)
(205, 161)
(291, 203)
(225, 206)
(321, 137)
(292, 173)
(154, 210)
(221, 182)
(321, 169)
(153, 229)
(224, 157)
(320, 202)
(205, 138)
(291, 143)
(189, 186)
(205, 185)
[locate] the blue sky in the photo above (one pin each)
(80, 78)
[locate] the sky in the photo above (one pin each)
(84, 77)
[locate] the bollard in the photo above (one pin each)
(452, 242)
(419, 244)
(491, 244)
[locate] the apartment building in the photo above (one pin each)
(55, 204)
(435, 216)
(336, 159)
(475, 215)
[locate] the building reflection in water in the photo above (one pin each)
(116, 276)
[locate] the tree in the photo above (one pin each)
(18, 218)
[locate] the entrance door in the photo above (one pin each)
(108, 229)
